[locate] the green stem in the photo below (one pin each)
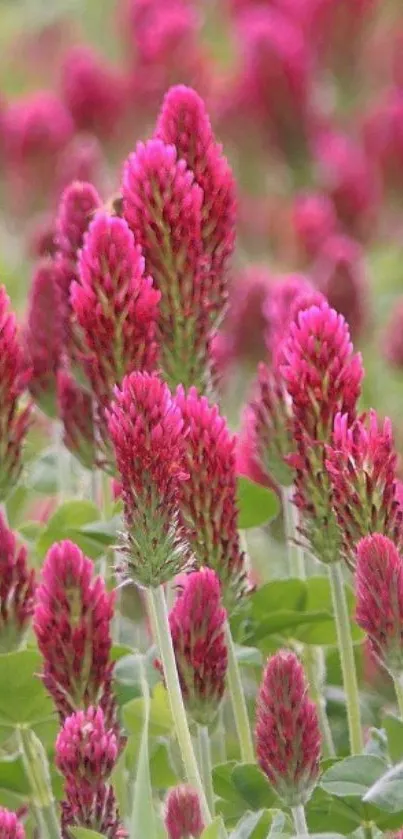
(220, 736)
(346, 652)
(298, 814)
(397, 681)
(157, 598)
(294, 551)
(37, 771)
(238, 701)
(205, 764)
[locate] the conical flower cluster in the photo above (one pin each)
(183, 817)
(17, 591)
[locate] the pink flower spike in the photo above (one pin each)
(197, 623)
(379, 593)
(76, 413)
(208, 498)
(43, 335)
(77, 205)
(339, 272)
(86, 752)
(361, 462)
(184, 123)
(17, 591)
(147, 431)
(183, 817)
(281, 307)
(93, 91)
(73, 605)
(287, 730)
(314, 219)
(14, 423)
(10, 825)
(163, 207)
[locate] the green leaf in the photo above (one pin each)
(261, 825)
(394, 733)
(246, 825)
(162, 774)
(248, 656)
(250, 782)
(142, 820)
(285, 595)
(214, 830)
(31, 530)
(256, 504)
(387, 790)
(84, 833)
(323, 809)
(160, 717)
(353, 776)
(43, 473)
(13, 777)
(23, 698)
(67, 523)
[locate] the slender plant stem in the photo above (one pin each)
(298, 814)
(346, 652)
(220, 736)
(205, 764)
(312, 656)
(295, 552)
(37, 771)
(167, 654)
(238, 701)
(399, 693)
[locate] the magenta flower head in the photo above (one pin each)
(115, 307)
(339, 272)
(361, 462)
(74, 606)
(17, 591)
(43, 335)
(76, 413)
(78, 204)
(14, 423)
(287, 730)
(93, 92)
(268, 425)
(314, 220)
(281, 307)
(183, 816)
(393, 337)
(10, 825)
(147, 430)
(163, 206)
(209, 496)
(197, 623)
(184, 123)
(86, 752)
(379, 599)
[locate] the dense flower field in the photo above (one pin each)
(201, 486)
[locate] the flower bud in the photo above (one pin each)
(183, 817)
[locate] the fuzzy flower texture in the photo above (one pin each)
(10, 825)
(17, 591)
(183, 817)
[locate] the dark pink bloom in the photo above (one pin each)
(77, 206)
(281, 306)
(379, 597)
(314, 219)
(73, 606)
(10, 825)
(37, 126)
(86, 752)
(183, 816)
(184, 123)
(393, 336)
(14, 423)
(43, 335)
(209, 496)
(17, 591)
(81, 160)
(115, 306)
(93, 91)
(76, 413)
(383, 135)
(147, 430)
(163, 206)
(245, 323)
(287, 730)
(197, 623)
(42, 238)
(339, 272)
(268, 425)
(361, 462)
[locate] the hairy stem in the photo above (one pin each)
(205, 764)
(238, 701)
(37, 771)
(298, 814)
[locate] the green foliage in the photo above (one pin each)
(256, 504)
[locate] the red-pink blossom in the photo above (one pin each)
(281, 306)
(147, 431)
(339, 272)
(42, 238)
(183, 817)
(184, 123)
(245, 323)
(86, 752)
(75, 407)
(209, 496)
(17, 591)
(10, 825)
(393, 336)
(14, 420)
(36, 126)
(361, 462)
(163, 206)
(81, 160)
(115, 307)
(287, 730)
(379, 599)
(73, 606)
(78, 204)
(94, 92)
(43, 334)
(314, 219)
(383, 137)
